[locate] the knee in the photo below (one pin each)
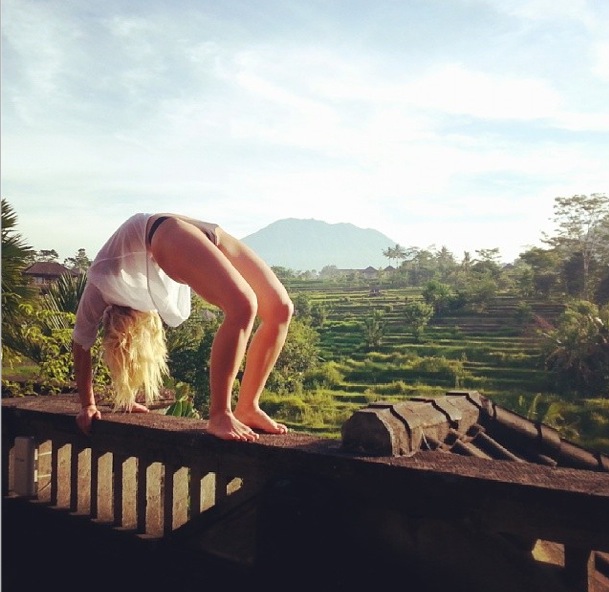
(242, 310)
(281, 311)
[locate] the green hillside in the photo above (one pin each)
(496, 351)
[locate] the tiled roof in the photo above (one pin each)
(465, 423)
(51, 269)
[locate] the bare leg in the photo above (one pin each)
(275, 311)
(188, 256)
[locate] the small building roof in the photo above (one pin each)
(48, 269)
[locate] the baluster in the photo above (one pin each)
(54, 472)
(142, 495)
(130, 468)
(94, 505)
(73, 482)
(194, 491)
(7, 449)
(118, 461)
(154, 499)
(44, 470)
(168, 499)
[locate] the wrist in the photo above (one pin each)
(88, 405)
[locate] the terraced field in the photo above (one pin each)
(494, 351)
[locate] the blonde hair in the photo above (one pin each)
(135, 352)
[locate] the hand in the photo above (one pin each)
(85, 418)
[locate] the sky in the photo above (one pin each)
(440, 123)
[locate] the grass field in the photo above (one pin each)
(496, 351)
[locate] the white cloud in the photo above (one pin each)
(111, 110)
(600, 66)
(454, 89)
(547, 10)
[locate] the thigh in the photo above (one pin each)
(188, 256)
(258, 274)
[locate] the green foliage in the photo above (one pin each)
(80, 262)
(578, 350)
(348, 345)
(189, 349)
(47, 340)
(523, 313)
(183, 406)
(396, 253)
(283, 273)
(417, 315)
(584, 421)
(17, 294)
(477, 293)
(302, 306)
(311, 411)
(299, 356)
(439, 295)
(373, 328)
(582, 237)
(326, 375)
(64, 294)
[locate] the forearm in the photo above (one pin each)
(83, 374)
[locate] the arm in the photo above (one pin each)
(84, 384)
(88, 316)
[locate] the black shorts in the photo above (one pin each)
(154, 227)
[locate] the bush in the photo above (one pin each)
(327, 375)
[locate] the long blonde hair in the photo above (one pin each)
(135, 352)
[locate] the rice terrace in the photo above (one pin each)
(532, 335)
(497, 351)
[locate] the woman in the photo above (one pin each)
(145, 271)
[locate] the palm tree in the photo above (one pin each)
(63, 297)
(396, 253)
(578, 349)
(16, 291)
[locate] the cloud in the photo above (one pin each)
(547, 10)
(283, 110)
(600, 66)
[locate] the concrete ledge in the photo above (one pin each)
(401, 429)
(465, 423)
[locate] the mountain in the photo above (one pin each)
(304, 245)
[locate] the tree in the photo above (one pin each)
(46, 255)
(477, 293)
(299, 355)
(302, 306)
(582, 228)
(65, 293)
(373, 327)
(80, 262)
(396, 253)
(417, 315)
(578, 350)
(189, 349)
(328, 272)
(421, 266)
(544, 267)
(16, 291)
(602, 290)
(446, 264)
(440, 296)
(283, 273)
(487, 262)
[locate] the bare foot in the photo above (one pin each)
(138, 408)
(227, 427)
(259, 420)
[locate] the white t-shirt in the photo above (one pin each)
(125, 273)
